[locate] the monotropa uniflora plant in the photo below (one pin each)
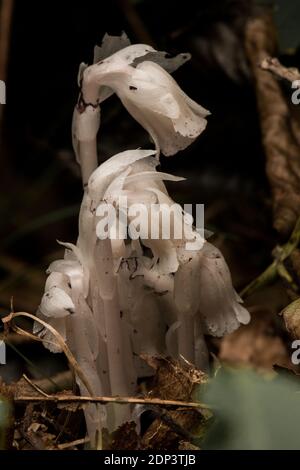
(115, 298)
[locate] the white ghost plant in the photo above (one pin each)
(114, 299)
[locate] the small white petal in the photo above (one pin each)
(105, 173)
(56, 303)
(57, 279)
(152, 176)
(165, 255)
(75, 268)
(74, 249)
(115, 187)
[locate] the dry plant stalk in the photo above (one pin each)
(106, 400)
(280, 142)
(271, 64)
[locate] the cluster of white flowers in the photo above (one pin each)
(115, 299)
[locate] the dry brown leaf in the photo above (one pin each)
(174, 381)
(125, 438)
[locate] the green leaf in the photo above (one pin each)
(253, 412)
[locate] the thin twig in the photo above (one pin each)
(14, 338)
(105, 400)
(59, 382)
(281, 253)
(66, 445)
(72, 361)
(167, 418)
(279, 138)
(274, 66)
(32, 365)
(36, 387)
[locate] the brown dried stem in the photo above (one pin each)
(72, 361)
(105, 400)
(273, 65)
(77, 442)
(35, 386)
(278, 131)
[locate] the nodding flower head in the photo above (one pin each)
(139, 75)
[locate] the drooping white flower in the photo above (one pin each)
(219, 304)
(153, 98)
(56, 303)
(139, 75)
(162, 299)
(193, 287)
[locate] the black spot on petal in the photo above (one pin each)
(70, 310)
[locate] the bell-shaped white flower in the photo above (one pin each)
(220, 306)
(114, 63)
(153, 98)
(139, 75)
(56, 303)
(194, 287)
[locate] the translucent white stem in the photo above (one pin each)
(95, 416)
(86, 123)
(89, 160)
(109, 361)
